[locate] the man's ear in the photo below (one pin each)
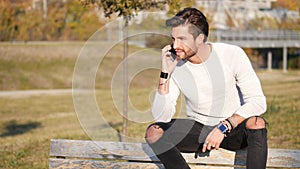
(200, 39)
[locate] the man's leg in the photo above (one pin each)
(168, 139)
(257, 143)
(251, 133)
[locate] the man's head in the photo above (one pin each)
(196, 20)
(189, 34)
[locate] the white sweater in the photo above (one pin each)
(214, 90)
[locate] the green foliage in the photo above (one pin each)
(131, 7)
(274, 106)
(177, 5)
(81, 22)
(294, 63)
(125, 8)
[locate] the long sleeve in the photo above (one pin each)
(210, 88)
(250, 90)
(164, 106)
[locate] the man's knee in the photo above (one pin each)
(153, 133)
(256, 123)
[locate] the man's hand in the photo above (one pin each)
(167, 64)
(213, 140)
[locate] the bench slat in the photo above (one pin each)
(79, 164)
(142, 152)
(101, 149)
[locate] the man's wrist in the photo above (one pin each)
(224, 127)
(232, 121)
(164, 75)
(163, 81)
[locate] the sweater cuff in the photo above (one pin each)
(242, 114)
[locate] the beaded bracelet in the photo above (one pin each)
(232, 121)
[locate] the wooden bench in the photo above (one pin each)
(115, 155)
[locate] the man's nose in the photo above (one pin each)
(175, 44)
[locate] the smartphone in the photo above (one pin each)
(173, 53)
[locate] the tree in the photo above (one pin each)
(125, 9)
(288, 4)
(80, 23)
(9, 12)
(176, 5)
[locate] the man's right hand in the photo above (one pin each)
(168, 65)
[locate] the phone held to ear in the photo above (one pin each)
(173, 53)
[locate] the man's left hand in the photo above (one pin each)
(213, 140)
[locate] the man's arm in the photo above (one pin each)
(252, 96)
(163, 86)
(163, 107)
(168, 66)
(249, 86)
(215, 137)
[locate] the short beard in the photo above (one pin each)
(190, 56)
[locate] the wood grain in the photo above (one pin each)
(115, 153)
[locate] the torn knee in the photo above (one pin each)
(256, 123)
(153, 134)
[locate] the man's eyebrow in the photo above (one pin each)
(180, 37)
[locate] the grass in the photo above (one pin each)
(28, 122)
(282, 92)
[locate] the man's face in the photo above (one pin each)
(183, 42)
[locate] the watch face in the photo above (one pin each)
(222, 128)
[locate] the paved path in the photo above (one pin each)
(26, 93)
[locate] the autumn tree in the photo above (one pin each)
(66, 20)
(288, 23)
(80, 23)
(9, 13)
(288, 4)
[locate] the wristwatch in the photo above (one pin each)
(222, 127)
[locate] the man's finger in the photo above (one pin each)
(209, 146)
(204, 146)
(217, 146)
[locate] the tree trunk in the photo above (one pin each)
(125, 80)
(45, 9)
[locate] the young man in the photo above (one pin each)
(223, 95)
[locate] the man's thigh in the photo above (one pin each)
(183, 133)
(236, 139)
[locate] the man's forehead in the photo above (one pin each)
(180, 30)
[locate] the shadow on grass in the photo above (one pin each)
(12, 128)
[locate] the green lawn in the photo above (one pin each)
(29, 121)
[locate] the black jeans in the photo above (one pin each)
(182, 135)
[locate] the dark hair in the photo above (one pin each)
(192, 16)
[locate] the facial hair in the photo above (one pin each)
(190, 55)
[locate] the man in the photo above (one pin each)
(223, 96)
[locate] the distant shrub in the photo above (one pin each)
(294, 63)
(157, 41)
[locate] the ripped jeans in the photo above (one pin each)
(185, 135)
